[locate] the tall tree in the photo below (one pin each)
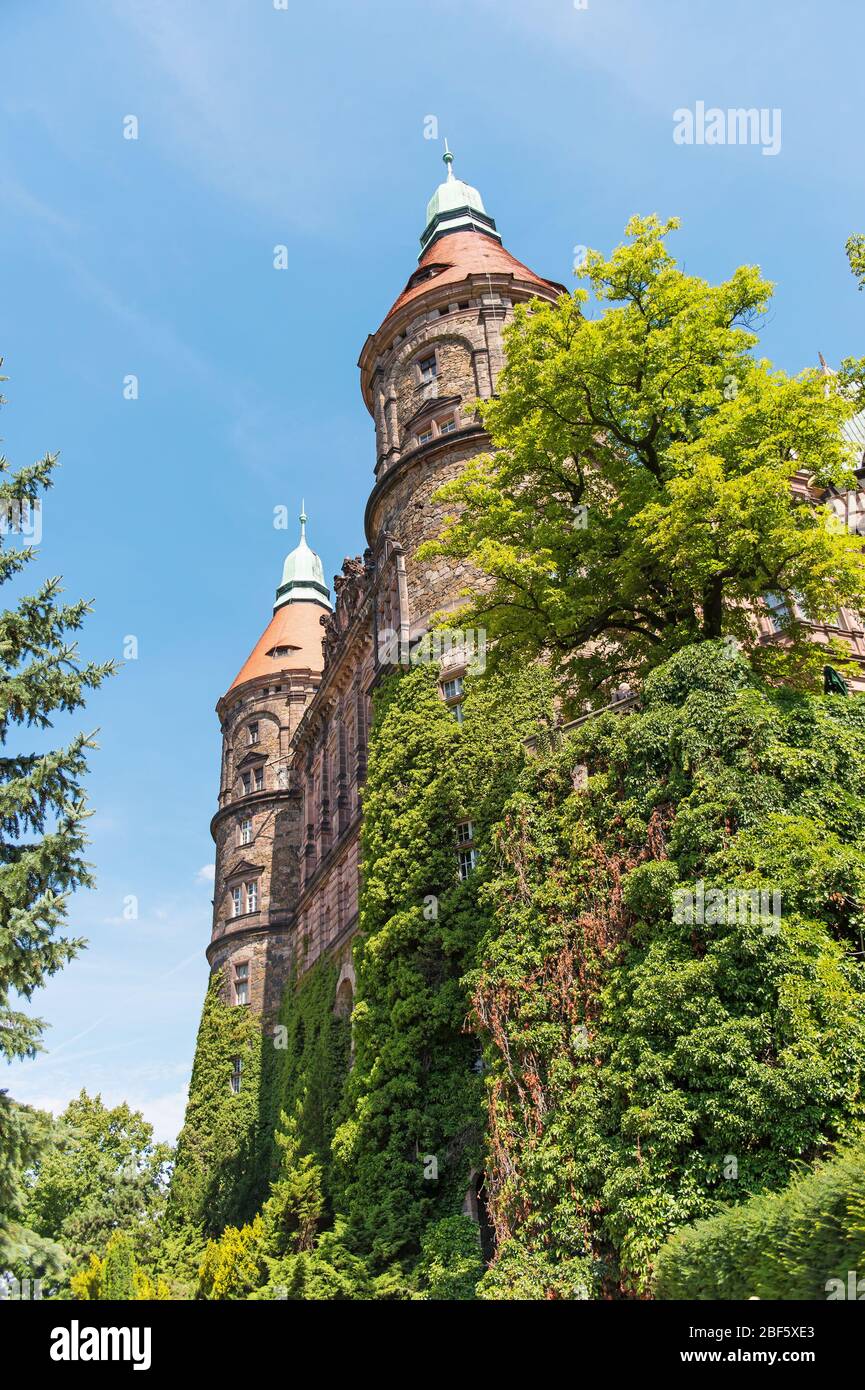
(640, 494)
(101, 1172)
(42, 804)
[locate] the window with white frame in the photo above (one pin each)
(425, 436)
(236, 902)
(468, 859)
(258, 778)
(253, 732)
(252, 895)
(245, 836)
(246, 782)
(241, 982)
(467, 856)
(453, 689)
(236, 1074)
(447, 426)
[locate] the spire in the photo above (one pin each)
(455, 207)
(302, 573)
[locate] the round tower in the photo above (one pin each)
(438, 349)
(257, 829)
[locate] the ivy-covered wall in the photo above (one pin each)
(645, 1002)
(217, 1178)
(655, 1048)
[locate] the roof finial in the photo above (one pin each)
(449, 160)
(303, 520)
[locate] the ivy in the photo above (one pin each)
(217, 1179)
(647, 1066)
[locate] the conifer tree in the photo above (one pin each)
(42, 807)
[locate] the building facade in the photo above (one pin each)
(295, 720)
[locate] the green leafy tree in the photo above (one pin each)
(639, 497)
(100, 1173)
(855, 249)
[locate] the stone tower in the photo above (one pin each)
(297, 716)
(256, 829)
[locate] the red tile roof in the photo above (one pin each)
(463, 254)
(294, 625)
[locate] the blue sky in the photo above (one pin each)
(304, 127)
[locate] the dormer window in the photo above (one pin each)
(427, 369)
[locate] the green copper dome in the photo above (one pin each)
(455, 207)
(302, 574)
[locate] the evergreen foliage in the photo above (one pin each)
(43, 812)
(804, 1242)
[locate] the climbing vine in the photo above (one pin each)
(649, 1063)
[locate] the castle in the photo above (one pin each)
(295, 719)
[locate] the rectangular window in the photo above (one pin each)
(253, 733)
(252, 896)
(457, 711)
(246, 830)
(452, 690)
(236, 1074)
(259, 779)
(465, 832)
(236, 902)
(427, 368)
(241, 982)
(447, 426)
(425, 437)
(468, 859)
(246, 783)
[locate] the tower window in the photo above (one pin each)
(236, 1074)
(453, 689)
(425, 437)
(258, 779)
(246, 830)
(241, 982)
(236, 902)
(447, 427)
(252, 895)
(427, 369)
(253, 733)
(246, 783)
